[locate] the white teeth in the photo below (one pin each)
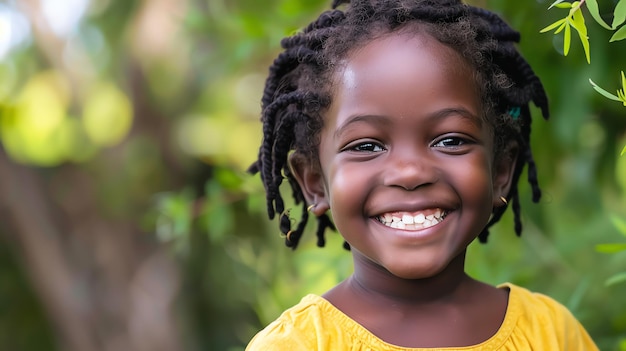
(420, 218)
(407, 219)
(412, 222)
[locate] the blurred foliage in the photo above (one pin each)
(575, 19)
(203, 65)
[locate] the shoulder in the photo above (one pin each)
(535, 305)
(542, 318)
(297, 328)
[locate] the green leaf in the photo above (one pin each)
(611, 248)
(619, 35)
(557, 3)
(560, 22)
(592, 6)
(563, 26)
(578, 22)
(623, 151)
(622, 96)
(603, 92)
(620, 224)
(565, 5)
(618, 278)
(567, 40)
(619, 14)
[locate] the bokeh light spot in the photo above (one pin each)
(107, 115)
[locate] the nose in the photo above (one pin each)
(410, 170)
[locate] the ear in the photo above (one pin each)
(503, 174)
(311, 181)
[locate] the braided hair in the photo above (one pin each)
(298, 89)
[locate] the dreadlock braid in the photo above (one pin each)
(265, 152)
(325, 20)
(285, 63)
(299, 86)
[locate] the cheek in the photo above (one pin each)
(346, 190)
(478, 184)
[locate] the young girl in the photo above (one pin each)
(408, 121)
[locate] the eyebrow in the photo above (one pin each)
(458, 111)
(437, 115)
(373, 119)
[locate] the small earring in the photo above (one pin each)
(310, 208)
(504, 200)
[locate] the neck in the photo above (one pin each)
(378, 284)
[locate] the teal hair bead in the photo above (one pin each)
(515, 112)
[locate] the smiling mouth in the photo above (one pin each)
(412, 220)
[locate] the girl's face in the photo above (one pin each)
(407, 165)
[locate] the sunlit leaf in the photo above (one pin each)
(611, 248)
(592, 6)
(620, 34)
(623, 151)
(560, 4)
(558, 23)
(619, 14)
(563, 26)
(578, 22)
(556, 3)
(567, 40)
(603, 92)
(618, 278)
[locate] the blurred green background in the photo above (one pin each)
(127, 221)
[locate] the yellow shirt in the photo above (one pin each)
(532, 322)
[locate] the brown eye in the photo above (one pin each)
(450, 142)
(367, 147)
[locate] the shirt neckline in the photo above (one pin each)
(366, 337)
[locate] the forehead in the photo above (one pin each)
(394, 72)
(396, 53)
